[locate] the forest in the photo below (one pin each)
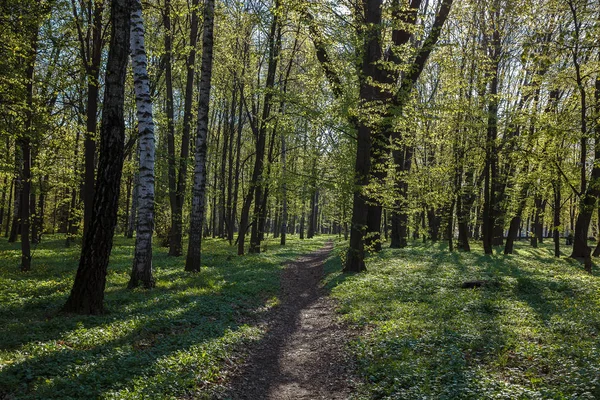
(193, 191)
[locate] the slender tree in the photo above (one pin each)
(192, 262)
(142, 261)
(87, 294)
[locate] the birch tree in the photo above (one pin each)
(142, 261)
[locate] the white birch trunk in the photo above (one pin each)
(192, 262)
(142, 262)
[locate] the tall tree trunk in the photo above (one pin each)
(258, 180)
(91, 57)
(133, 212)
(230, 207)
(399, 218)
(176, 236)
(284, 205)
(87, 294)
(490, 202)
(236, 184)
(10, 203)
(25, 142)
(556, 223)
(227, 135)
(193, 259)
(141, 271)
(41, 208)
(515, 222)
(368, 94)
(3, 201)
(170, 115)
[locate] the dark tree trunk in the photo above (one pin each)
(91, 56)
(215, 208)
(399, 217)
(464, 202)
(434, 224)
(3, 201)
(227, 134)
(312, 216)
(236, 184)
(87, 294)
(8, 211)
(26, 195)
(176, 236)
(556, 223)
(515, 222)
(193, 259)
(491, 206)
(368, 93)
(260, 129)
(535, 237)
(73, 221)
(450, 226)
(17, 206)
(170, 115)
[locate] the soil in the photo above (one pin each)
(304, 355)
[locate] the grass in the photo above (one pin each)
(534, 334)
(178, 340)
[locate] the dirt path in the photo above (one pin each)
(303, 355)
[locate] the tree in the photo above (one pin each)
(192, 262)
(142, 261)
(87, 294)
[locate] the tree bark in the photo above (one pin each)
(176, 237)
(141, 271)
(91, 45)
(170, 115)
(87, 294)
(25, 143)
(258, 180)
(193, 259)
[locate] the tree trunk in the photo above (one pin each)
(25, 142)
(193, 259)
(91, 57)
(368, 94)
(176, 237)
(3, 201)
(236, 184)
(8, 211)
(490, 205)
(170, 115)
(258, 180)
(556, 223)
(284, 205)
(141, 271)
(515, 222)
(87, 294)
(134, 202)
(73, 221)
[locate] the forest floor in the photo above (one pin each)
(182, 340)
(304, 355)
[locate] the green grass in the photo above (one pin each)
(174, 341)
(533, 336)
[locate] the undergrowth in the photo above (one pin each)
(531, 334)
(178, 340)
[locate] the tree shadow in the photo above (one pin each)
(268, 369)
(192, 319)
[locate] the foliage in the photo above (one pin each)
(532, 333)
(180, 339)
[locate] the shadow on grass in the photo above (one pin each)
(171, 340)
(431, 339)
